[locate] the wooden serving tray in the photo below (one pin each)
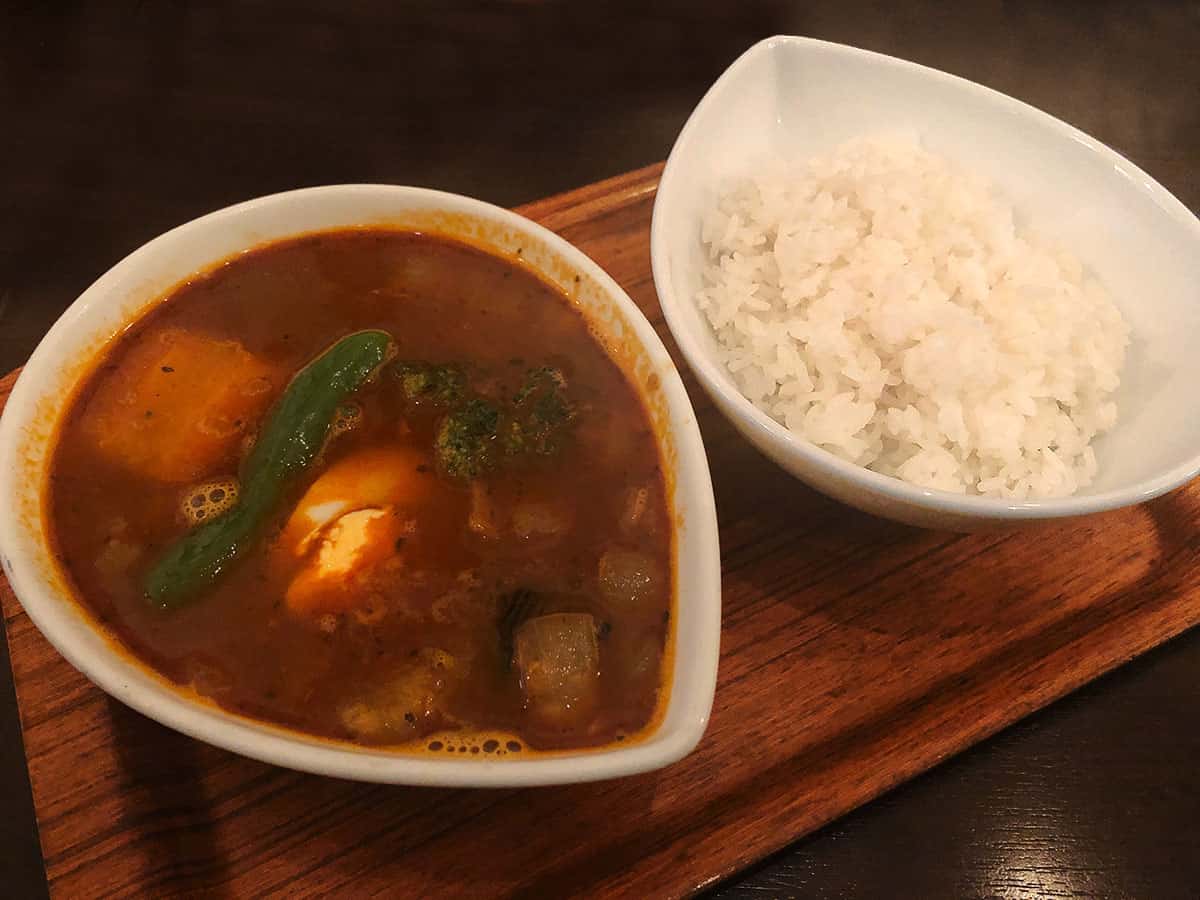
(856, 653)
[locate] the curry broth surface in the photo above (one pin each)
(239, 644)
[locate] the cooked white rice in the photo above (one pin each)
(880, 302)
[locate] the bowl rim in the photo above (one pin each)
(775, 435)
(74, 633)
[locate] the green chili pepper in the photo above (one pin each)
(293, 436)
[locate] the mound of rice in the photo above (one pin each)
(880, 302)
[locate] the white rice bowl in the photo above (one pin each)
(880, 302)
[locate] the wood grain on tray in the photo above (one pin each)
(855, 654)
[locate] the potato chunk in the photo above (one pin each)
(409, 704)
(178, 403)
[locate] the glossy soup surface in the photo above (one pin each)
(388, 598)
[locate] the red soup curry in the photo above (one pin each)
(379, 486)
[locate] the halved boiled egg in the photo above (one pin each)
(351, 519)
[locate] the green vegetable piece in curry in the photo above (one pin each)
(465, 445)
(540, 415)
(439, 385)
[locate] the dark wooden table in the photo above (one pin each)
(123, 119)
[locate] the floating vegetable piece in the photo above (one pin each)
(440, 385)
(177, 404)
(540, 520)
(466, 440)
(292, 438)
(540, 416)
(408, 703)
(558, 658)
(629, 580)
